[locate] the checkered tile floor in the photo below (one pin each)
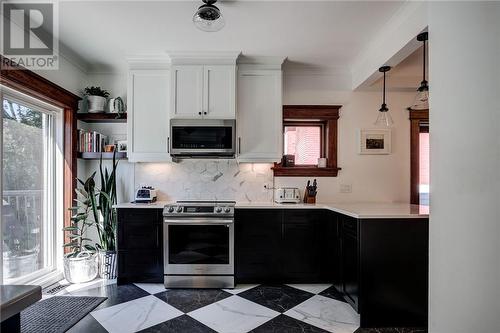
(247, 308)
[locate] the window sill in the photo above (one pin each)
(304, 171)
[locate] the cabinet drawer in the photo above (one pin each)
(146, 215)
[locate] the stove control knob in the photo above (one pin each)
(218, 209)
(179, 209)
(227, 210)
(171, 209)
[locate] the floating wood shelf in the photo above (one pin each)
(102, 117)
(304, 171)
(105, 156)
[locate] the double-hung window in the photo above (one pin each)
(31, 188)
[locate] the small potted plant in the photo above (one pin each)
(96, 98)
(80, 264)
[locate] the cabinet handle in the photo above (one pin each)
(205, 112)
(168, 144)
(239, 145)
(199, 113)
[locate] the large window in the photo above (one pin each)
(30, 201)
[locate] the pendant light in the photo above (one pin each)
(208, 17)
(421, 101)
(384, 118)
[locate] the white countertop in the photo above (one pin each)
(360, 210)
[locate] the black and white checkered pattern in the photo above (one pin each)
(247, 308)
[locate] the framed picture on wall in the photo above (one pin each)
(374, 141)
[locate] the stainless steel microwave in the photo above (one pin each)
(202, 138)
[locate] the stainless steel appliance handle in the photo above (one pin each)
(168, 144)
(239, 145)
(195, 221)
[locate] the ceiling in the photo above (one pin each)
(407, 75)
(321, 35)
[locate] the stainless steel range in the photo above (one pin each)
(199, 244)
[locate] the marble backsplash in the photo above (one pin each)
(207, 180)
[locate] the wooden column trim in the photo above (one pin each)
(34, 85)
(416, 117)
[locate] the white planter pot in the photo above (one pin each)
(17, 266)
(80, 269)
(96, 104)
(107, 264)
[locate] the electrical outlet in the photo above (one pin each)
(345, 188)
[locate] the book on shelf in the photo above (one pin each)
(91, 141)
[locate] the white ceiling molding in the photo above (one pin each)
(212, 57)
(394, 42)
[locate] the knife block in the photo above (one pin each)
(309, 199)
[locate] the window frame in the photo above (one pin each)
(34, 85)
(326, 114)
(417, 119)
(53, 187)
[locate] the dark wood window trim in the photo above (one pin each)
(34, 85)
(325, 114)
(417, 118)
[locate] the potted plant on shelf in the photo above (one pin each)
(96, 98)
(105, 217)
(80, 264)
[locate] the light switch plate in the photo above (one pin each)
(345, 188)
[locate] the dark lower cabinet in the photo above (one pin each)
(379, 265)
(257, 242)
(283, 246)
(393, 272)
(140, 245)
(302, 244)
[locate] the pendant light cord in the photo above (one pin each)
(383, 102)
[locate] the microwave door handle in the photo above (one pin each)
(168, 144)
(239, 145)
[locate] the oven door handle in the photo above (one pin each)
(194, 221)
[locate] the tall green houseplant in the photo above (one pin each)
(106, 220)
(104, 213)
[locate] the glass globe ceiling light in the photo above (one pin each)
(421, 101)
(384, 117)
(208, 17)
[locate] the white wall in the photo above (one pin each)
(372, 177)
(465, 163)
(69, 76)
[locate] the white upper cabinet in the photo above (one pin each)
(203, 91)
(219, 92)
(259, 119)
(187, 91)
(203, 85)
(148, 115)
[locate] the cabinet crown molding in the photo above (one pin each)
(201, 58)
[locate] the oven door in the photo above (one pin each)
(204, 138)
(195, 246)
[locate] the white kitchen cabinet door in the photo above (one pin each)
(219, 92)
(259, 116)
(187, 91)
(148, 120)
